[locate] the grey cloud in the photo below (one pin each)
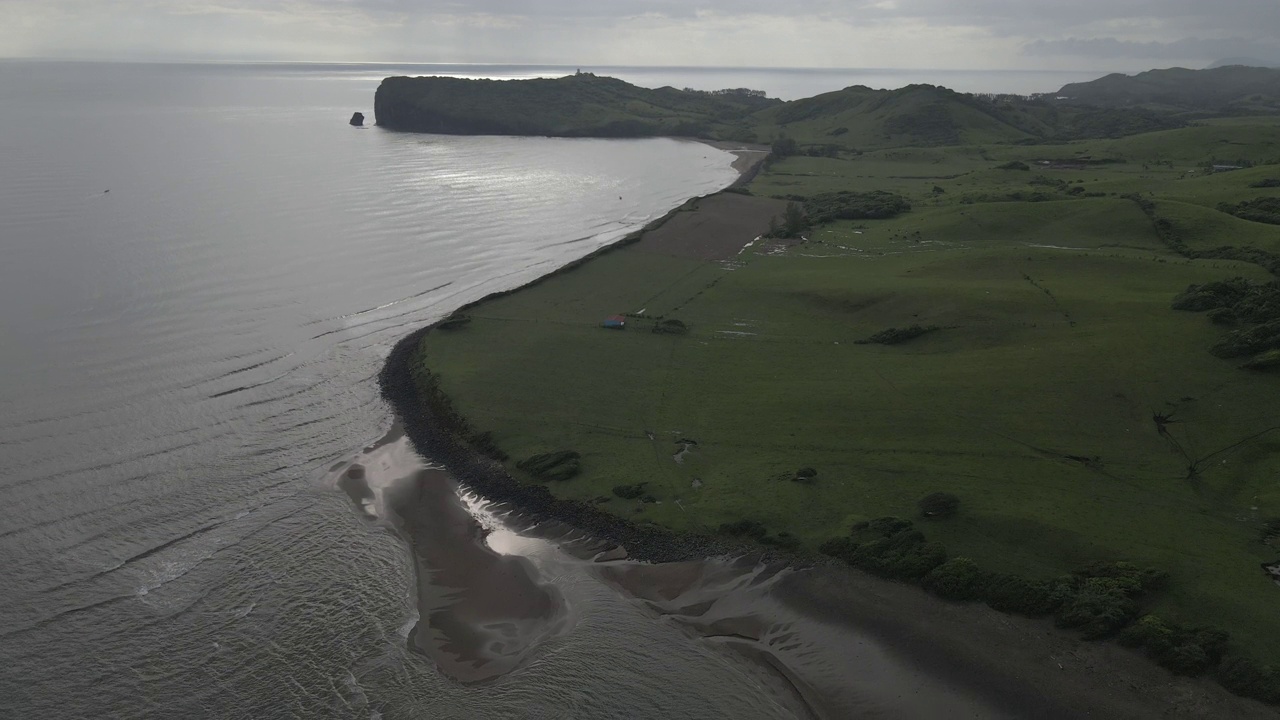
(1182, 49)
(712, 31)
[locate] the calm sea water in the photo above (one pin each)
(203, 268)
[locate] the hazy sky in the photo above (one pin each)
(969, 34)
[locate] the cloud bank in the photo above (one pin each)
(995, 34)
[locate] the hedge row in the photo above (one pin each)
(1102, 600)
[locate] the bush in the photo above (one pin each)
(1010, 593)
(1245, 677)
(1222, 316)
(903, 556)
(453, 322)
(841, 548)
(1014, 165)
(559, 465)
(1185, 651)
(1269, 360)
(484, 444)
(671, 326)
(884, 527)
(783, 540)
(849, 205)
(1098, 607)
(956, 579)
(805, 475)
(939, 505)
(1249, 341)
(895, 336)
(1138, 579)
(1270, 529)
(1263, 210)
(629, 492)
(1220, 294)
(745, 528)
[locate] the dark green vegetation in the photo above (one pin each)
(1093, 419)
(832, 125)
(582, 105)
(1263, 209)
(1235, 90)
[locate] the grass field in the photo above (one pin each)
(1033, 400)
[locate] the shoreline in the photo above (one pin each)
(1022, 664)
(488, 478)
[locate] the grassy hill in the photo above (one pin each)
(582, 105)
(1232, 89)
(1052, 388)
(854, 119)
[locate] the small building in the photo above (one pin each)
(615, 322)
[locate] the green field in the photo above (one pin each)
(1032, 401)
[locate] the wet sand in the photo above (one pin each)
(839, 642)
(481, 614)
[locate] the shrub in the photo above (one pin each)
(1013, 165)
(1138, 579)
(904, 556)
(671, 326)
(629, 492)
(1010, 593)
(939, 505)
(1270, 529)
(453, 322)
(1220, 294)
(884, 527)
(1245, 677)
(956, 579)
(745, 528)
(1222, 316)
(841, 548)
(559, 465)
(1185, 651)
(849, 205)
(1263, 210)
(483, 443)
(1249, 341)
(783, 540)
(1269, 360)
(895, 336)
(1099, 607)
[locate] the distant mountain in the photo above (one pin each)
(1245, 61)
(1232, 89)
(925, 115)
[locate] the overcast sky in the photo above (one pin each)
(968, 34)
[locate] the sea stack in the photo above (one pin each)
(357, 119)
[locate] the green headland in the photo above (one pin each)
(1059, 320)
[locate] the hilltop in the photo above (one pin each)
(580, 105)
(850, 120)
(1226, 90)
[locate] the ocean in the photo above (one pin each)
(204, 267)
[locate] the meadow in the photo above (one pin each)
(1076, 415)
